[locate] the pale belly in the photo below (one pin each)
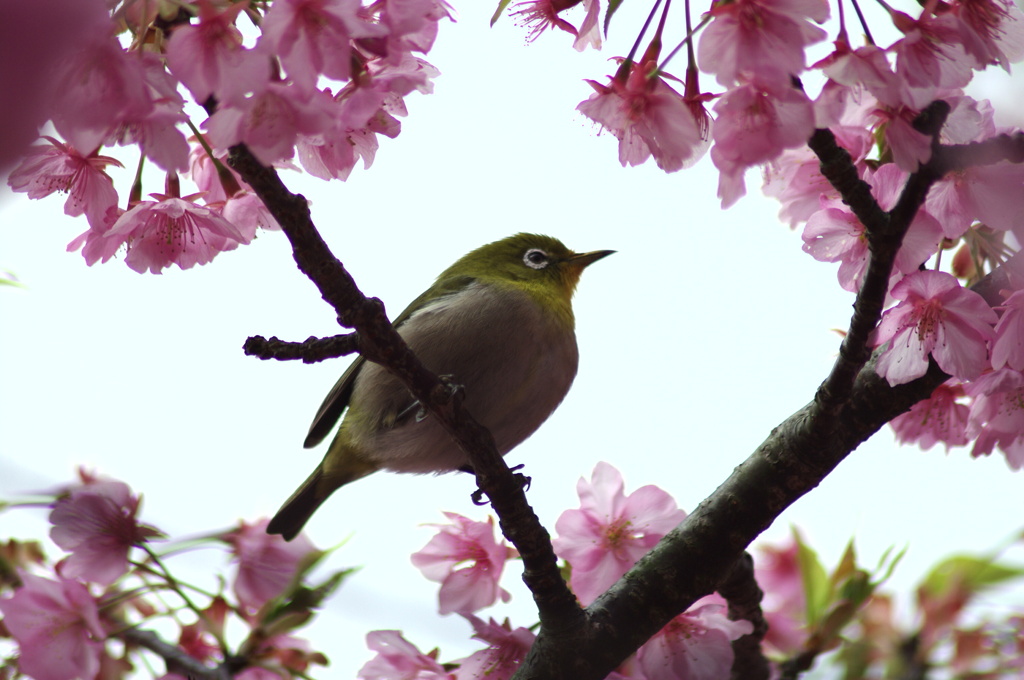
(514, 365)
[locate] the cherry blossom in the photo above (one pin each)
(57, 627)
(997, 415)
(936, 317)
(778, 573)
(209, 59)
(540, 15)
(991, 31)
(647, 117)
(866, 68)
(412, 25)
(99, 89)
(929, 55)
(474, 586)
(756, 122)
(764, 39)
(312, 37)
(46, 169)
(39, 37)
(163, 232)
(96, 523)
(267, 563)
(795, 179)
(610, 531)
(270, 121)
(500, 660)
(834, 234)
(940, 418)
(399, 659)
(696, 645)
(1008, 346)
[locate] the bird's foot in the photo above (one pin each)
(524, 480)
(478, 496)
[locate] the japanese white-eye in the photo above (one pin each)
(499, 323)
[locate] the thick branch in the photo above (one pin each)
(379, 342)
(690, 561)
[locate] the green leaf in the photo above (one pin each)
(970, 572)
(817, 589)
(502, 4)
(613, 5)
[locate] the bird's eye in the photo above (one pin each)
(535, 258)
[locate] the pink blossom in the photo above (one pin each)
(909, 147)
(170, 231)
(611, 531)
(270, 121)
(248, 213)
(778, 573)
(312, 37)
(399, 659)
(997, 415)
(96, 523)
(939, 418)
(465, 542)
(411, 25)
(1008, 346)
(696, 645)
(540, 15)
(764, 39)
(863, 68)
(755, 123)
(57, 627)
(500, 660)
(60, 167)
(35, 39)
(795, 179)
(991, 31)
(590, 30)
(364, 111)
(835, 234)
(209, 59)
(929, 55)
(267, 564)
(647, 117)
(99, 89)
(214, 183)
(936, 317)
(155, 131)
(991, 194)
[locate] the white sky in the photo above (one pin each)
(707, 329)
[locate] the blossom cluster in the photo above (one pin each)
(600, 541)
(314, 79)
(70, 619)
(871, 98)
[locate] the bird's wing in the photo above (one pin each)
(337, 399)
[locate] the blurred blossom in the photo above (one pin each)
(267, 563)
(473, 586)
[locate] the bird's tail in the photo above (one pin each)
(297, 510)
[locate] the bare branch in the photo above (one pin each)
(310, 351)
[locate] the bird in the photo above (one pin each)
(499, 324)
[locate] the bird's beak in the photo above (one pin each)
(583, 260)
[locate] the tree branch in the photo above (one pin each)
(311, 350)
(177, 660)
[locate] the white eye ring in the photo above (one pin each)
(535, 258)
